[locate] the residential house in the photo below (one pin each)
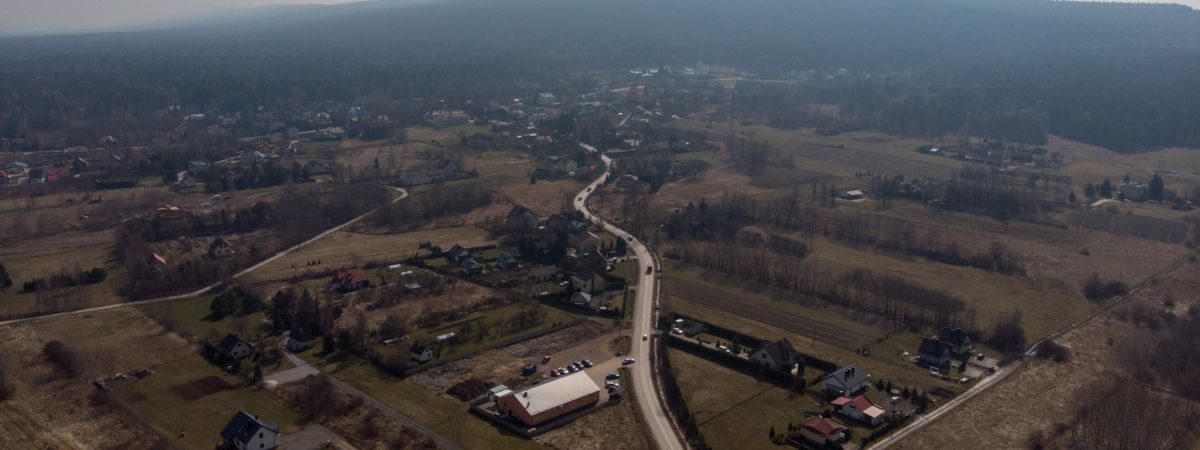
(351, 279)
(689, 327)
(233, 347)
(934, 353)
(627, 181)
(585, 300)
(330, 134)
(184, 180)
(779, 355)
(543, 273)
(1133, 191)
(157, 262)
(546, 99)
(520, 219)
(957, 338)
(445, 118)
(846, 381)
(859, 408)
(458, 253)
(820, 431)
(248, 432)
(16, 169)
(587, 280)
(221, 248)
(585, 243)
(314, 168)
(506, 261)
(470, 267)
(57, 174)
(420, 352)
(853, 194)
(567, 166)
(198, 167)
(415, 178)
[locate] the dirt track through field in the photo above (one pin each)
(738, 305)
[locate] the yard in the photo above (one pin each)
(190, 401)
(735, 411)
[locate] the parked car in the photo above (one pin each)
(587, 363)
(649, 269)
(545, 359)
(612, 384)
(645, 337)
(935, 372)
(554, 373)
(612, 376)
(627, 361)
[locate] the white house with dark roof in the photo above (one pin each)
(846, 381)
(248, 432)
(779, 355)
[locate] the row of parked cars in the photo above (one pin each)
(571, 368)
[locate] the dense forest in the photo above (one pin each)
(1121, 76)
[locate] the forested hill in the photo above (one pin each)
(1123, 76)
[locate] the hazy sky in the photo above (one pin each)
(36, 16)
(42, 16)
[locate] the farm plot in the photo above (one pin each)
(1142, 227)
(345, 248)
(796, 319)
(782, 178)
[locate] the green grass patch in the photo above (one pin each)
(192, 396)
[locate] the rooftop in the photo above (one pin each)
(556, 392)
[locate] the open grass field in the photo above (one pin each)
(192, 314)
(843, 154)
(345, 249)
(1002, 415)
(196, 398)
(446, 135)
(820, 324)
(50, 411)
(443, 414)
(548, 318)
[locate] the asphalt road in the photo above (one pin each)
(656, 419)
(402, 195)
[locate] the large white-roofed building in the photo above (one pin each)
(542, 402)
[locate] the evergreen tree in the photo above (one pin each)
(1155, 190)
(1106, 189)
(5, 281)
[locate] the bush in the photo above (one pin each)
(68, 361)
(1096, 289)
(1055, 351)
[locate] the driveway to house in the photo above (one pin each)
(644, 312)
(402, 194)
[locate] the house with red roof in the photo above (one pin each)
(351, 279)
(57, 174)
(859, 408)
(820, 430)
